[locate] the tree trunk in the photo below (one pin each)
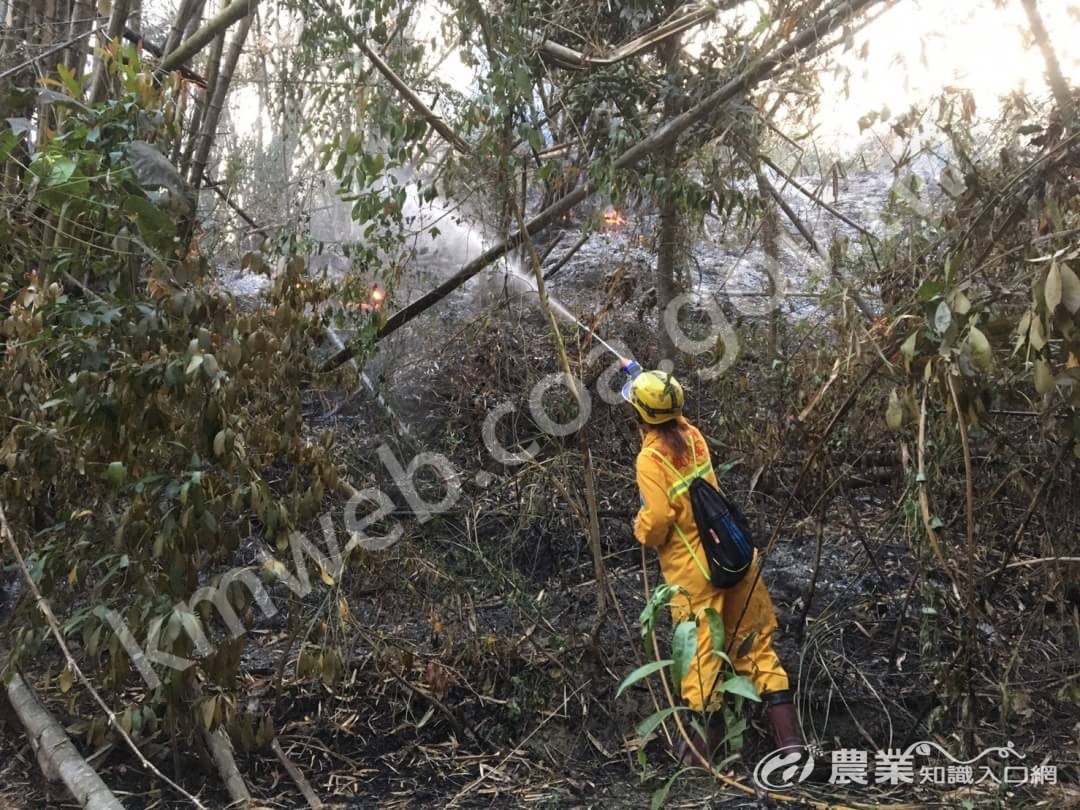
(57, 756)
(135, 11)
(213, 67)
(667, 248)
(48, 31)
(217, 102)
(195, 19)
(179, 25)
(770, 234)
(81, 18)
(117, 21)
(667, 251)
(1053, 67)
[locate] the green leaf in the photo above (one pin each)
(8, 139)
(741, 685)
(60, 172)
(152, 222)
(942, 318)
(115, 473)
(193, 364)
(717, 633)
(908, 347)
(644, 671)
(1052, 290)
(980, 349)
(894, 412)
(1044, 377)
(959, 303)
(661, 793)
(1070, 289)
(660, 597)
(683, 650)
(929, 290)
(1037, 334)
(647, 726)
(71, 84)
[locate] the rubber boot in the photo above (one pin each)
(784, 722)
(691, 756)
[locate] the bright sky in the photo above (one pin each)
(915, 49)
(920, 46)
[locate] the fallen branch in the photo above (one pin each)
(1041, 560)
(54, 628)
(816, 199)
(314, 802)
(222, 751)
(56, 754)
(860, 302)
(662, 136)
(561, 262)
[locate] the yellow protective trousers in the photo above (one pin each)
(666, 513)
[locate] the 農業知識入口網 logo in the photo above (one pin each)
(895, 766)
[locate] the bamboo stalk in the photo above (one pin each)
(562, 260)
(203, 36)
(99, 80)
(217, 102)
(213, 64)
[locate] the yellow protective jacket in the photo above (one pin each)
(747, 611)
(664, 507)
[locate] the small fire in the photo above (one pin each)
(374, 302)
(613, 218)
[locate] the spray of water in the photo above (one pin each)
(529, 283)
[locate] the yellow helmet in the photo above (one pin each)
(656, 395)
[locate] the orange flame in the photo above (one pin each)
(613, 218)
(375, 301)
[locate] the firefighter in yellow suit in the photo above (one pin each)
(673, 452)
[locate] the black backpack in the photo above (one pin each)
(725, 535)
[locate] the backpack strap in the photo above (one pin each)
(682, 487)
(682, 483)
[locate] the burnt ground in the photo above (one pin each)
(458, 667)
